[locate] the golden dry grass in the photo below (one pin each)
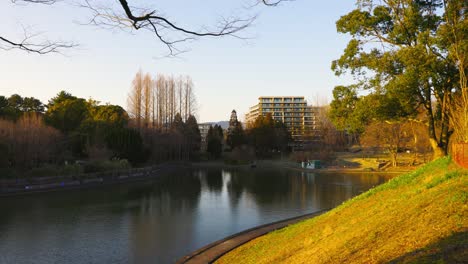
(385, 224)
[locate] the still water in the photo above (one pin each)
(161, 221)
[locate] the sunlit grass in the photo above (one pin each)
(410, 218)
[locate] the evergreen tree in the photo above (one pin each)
(214, 141)
(268, 135)
(235, 134)
(193, 137)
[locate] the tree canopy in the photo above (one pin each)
(268, 135)
(214, 140)
(13, 107)
(396, 53)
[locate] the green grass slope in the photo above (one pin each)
(419, 217)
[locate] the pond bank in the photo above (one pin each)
(83, 181)
(417, 217)
(281, 164)
(215, 250)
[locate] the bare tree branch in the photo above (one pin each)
(31, 43)
(274, 3)
(45, 2)
(127, 17)
(39, 48)
(166, 31)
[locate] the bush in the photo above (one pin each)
(46, 171)
(108, 165)
(8, 173)
(240, 155)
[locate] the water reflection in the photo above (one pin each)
(159, 222)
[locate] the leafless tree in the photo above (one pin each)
(135, 99)
(189, 97)
(30, 141)
(126, 16)
(391, 136)
(147, 99)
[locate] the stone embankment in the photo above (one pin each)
(88, 180)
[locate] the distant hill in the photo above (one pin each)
(223, 124)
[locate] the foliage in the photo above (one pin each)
(13, 107)
(89, 131)
(192, 134)
(241, 155)
(108, 165)
(111, 114)
(342, 108)
(407, 64)
(452, 36)
(214, 141)
(126, 143)
(268, 136)
(236, 136)
(66, 114)
(388, 135)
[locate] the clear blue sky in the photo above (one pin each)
(290, 54)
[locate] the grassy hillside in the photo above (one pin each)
(419, 217)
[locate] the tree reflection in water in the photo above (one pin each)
(160, 221)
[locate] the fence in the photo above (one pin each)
(460, 154)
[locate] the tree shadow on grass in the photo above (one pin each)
(452, 249)
(347, 164)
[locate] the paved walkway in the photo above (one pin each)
(215, 250)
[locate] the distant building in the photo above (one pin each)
(204, 127)
(300, 118)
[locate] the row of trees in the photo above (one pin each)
(69, 128)
(28, 142)
(265, 137)
(163, 110)
(410, 58)
(154, 102)
(13, 107)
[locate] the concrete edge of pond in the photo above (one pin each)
(215, 250)
(97, 182)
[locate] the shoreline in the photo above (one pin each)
(266, 164)
(103, 180)
(151, 173)
(217, 249)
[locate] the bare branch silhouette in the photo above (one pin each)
(30, 42)
(126, 17)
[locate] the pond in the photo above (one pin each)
(160, 221)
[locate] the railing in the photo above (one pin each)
(460, 154)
